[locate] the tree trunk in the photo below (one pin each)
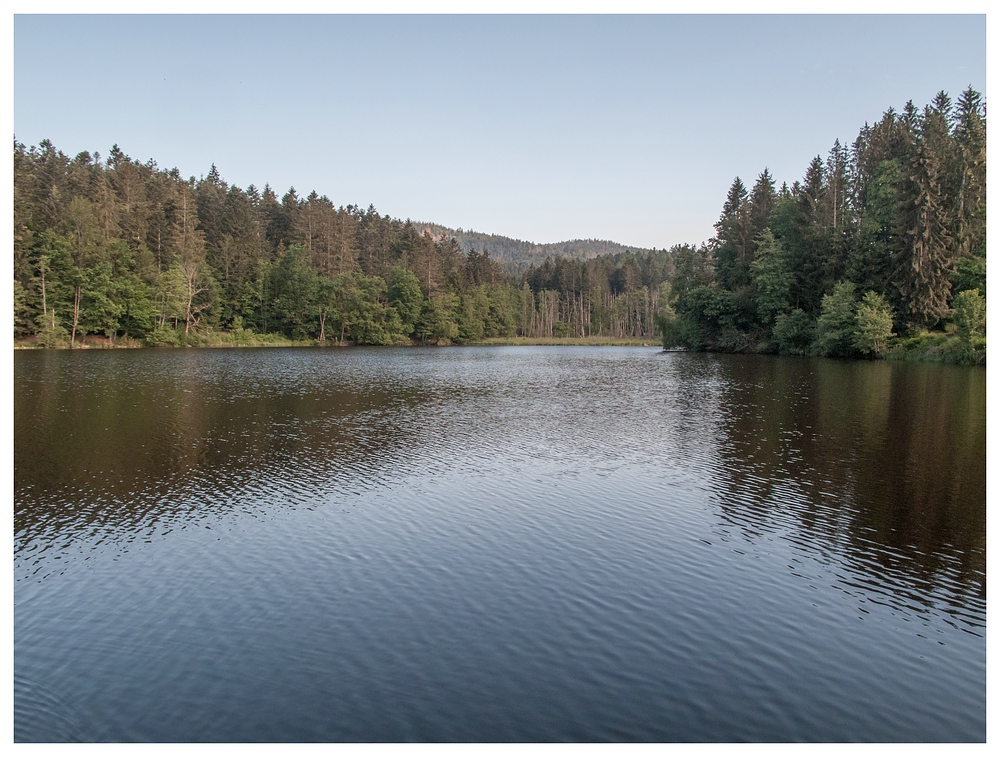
(76, 316)
(44, 311)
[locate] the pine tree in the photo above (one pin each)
(924, 260)
(806, 237)
(969, 228)
(732, 252)
(762, 202)
(835, 193)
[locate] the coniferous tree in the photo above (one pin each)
(733, 238)
(924, 261)
(762, 202)
(970, 142)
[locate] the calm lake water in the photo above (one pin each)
(482, 544)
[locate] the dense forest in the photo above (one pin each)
(139, 255)
(880, 248)
(515, 256)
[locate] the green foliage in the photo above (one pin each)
(873, 325)
(472, 314)
(436, 325)
(666, 319)
(24, 313)
(562, 329)
(794, 332)
(871, 262)
(295, 288)
(163, 336)
(969, 315)
(99, 306)
(126, 249)
(969, 273)
(901, 215)
(405, 296)
(772, 278)
(698, 313)
(51, 332)
(836, 324)
(504, 306)
(367, 317)
(939, 347)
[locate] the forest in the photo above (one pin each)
(880, 250)
(123, 252)
(515, 256)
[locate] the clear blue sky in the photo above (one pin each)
(545, 128)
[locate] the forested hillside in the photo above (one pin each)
(880, 248)
(516, 256)
(882, 245)
(137, 254)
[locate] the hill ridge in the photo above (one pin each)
(515, 256)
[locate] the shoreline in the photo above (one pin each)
(595, 341)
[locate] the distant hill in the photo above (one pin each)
(515, 256)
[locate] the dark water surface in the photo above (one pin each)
(481, 544)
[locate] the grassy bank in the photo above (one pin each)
(580, 341)
(203, 339)
(939, 347)
(247, 338)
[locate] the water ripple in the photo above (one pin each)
(495, 544)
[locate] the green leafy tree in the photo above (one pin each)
(836, 324)
(295, 288)
(97, 307)
(436, 324)
(367, 317)
(969, 314)
(327, 303)
(472, 313)
(873, 325)
(505, 307)
(405, 296)
(794, 332)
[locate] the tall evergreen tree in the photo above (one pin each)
(762, 202)
(969, 228)
(924, 260)
(734, 238)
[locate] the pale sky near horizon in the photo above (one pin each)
(546, 128)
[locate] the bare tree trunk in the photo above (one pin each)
(76, 316)
(44, 311)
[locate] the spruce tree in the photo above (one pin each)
(734, 238)
(924, 261)
(762, 202)
(970, 140)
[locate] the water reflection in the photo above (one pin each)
(126, 446)
(513, 544)
(882, 464)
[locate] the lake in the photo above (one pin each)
(496, 544)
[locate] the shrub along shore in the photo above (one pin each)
(937, 347)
